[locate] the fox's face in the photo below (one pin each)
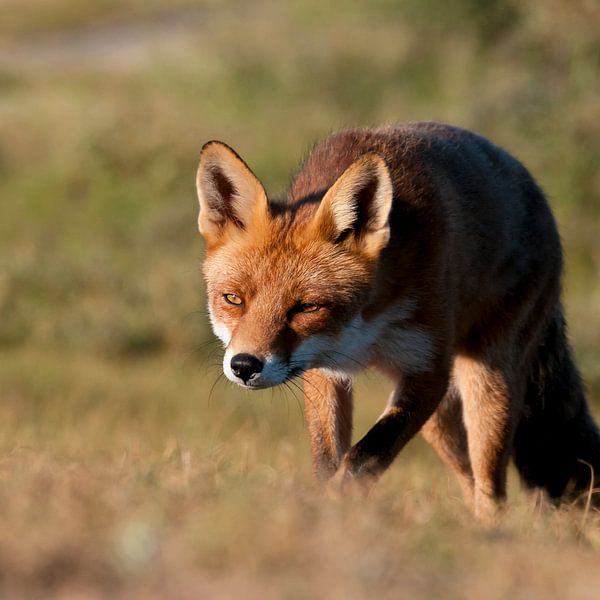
(287, 285)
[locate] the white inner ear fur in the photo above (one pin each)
(247, 197)
(340, 203)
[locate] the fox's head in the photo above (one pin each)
(287, 283)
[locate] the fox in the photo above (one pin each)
(424, 251)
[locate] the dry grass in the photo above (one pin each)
(131, 483)
(123, 472)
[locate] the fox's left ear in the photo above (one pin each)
(228, 191)
(358, 205)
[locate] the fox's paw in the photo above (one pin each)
(346, 482)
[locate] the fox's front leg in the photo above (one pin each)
(410, 405)
(328, 409)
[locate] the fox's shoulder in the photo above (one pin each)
(408, 149)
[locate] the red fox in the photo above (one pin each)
(429, 253)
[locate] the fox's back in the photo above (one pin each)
(455, 194)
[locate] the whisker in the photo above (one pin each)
(217, 380)
(286, 385)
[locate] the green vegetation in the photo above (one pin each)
(123, 472)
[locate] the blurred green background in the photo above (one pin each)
(106, 358)
(104, 107)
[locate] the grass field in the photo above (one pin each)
(128, 468)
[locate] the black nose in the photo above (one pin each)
(246, 366)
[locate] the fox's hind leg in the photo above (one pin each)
(492, 401)
(328, 410)
(445, 432)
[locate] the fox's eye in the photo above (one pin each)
(303, 308)
(308, 307)
(233, 299)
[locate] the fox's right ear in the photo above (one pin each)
(357, 206)
(228, 191)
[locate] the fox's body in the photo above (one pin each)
(429, 253)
